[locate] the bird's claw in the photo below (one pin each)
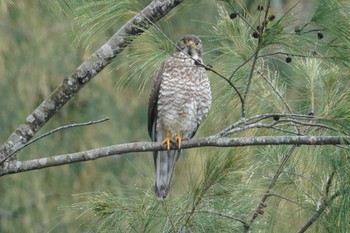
(167, 141)
(179, 140)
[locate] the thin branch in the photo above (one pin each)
(240, 66)
(207, 67)
(252, 126)
(262, 203)
(268, 5)
(84, 73)
(58, 160)
(281, 122)
(282, 197)
(250, 77)
(271, 125)
(246, 22)
(54, 131)
(286, 131)
(256, 56)
(324, 204)
(257, 118)
(318, 125)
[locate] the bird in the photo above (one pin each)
(179, 100)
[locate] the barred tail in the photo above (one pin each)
(164, 162)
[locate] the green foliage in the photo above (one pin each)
(142, 62)
(216, 189)
(90, 18)
(200, 209)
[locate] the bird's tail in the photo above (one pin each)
(164, 163)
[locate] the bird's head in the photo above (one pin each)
(190, 45)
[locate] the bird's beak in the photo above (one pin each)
(191, 43)
(191, 48)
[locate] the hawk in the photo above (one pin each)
(179, 100)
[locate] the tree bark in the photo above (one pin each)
(213, 141)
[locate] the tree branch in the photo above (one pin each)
(212, 141)
(84, 73)
(323, 206)
(52, 132)
(254, 119)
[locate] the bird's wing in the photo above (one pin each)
(152, 104)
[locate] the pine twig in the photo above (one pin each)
(262, 203)
(282, 197)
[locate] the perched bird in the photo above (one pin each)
(179, 100)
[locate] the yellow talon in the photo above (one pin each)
(167, 140)
(178, 138)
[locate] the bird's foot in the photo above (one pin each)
(167, 140)
(179, 140)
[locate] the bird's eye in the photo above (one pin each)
(183, 42)
(198, 43)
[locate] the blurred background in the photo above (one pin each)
(39, 46)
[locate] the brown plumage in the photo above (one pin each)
(179, 100)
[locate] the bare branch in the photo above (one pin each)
(58, 160)
(85, 72)
(257, 118)
(54, 131)
(283, 197)
(255, 57)
(250, 77)
(276, 124)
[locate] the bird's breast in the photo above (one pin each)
(184, 98)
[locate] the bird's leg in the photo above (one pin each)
(178, 139)
(167, 140)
